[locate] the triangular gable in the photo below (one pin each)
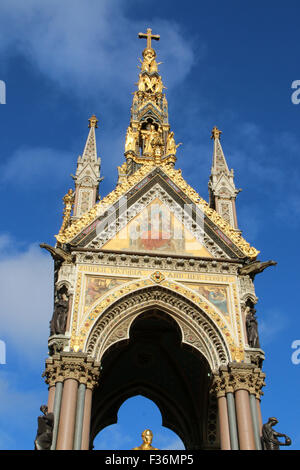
(157, 230)
(215, 226)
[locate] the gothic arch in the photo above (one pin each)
(197, 328)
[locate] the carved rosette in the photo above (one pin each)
(238, 377)
(81, 368)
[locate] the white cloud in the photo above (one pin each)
(26, 281)
(89, 47)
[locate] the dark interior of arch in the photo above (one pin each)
(156, 364)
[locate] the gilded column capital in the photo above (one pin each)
(259, 383)
(236, 377)
(218, 386)
(61, 367)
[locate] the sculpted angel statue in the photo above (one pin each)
(171, 145)
(130, 142)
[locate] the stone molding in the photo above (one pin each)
(80, 367)
(216, 351)
(205, 266)
(236, 377)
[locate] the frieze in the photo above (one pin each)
(152, 262)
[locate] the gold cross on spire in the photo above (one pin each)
(149, 36)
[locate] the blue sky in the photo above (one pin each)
(229, 64)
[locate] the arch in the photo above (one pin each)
(151, 417)
(154, 363)
(197, 328)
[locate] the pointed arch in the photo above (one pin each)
(197, 328)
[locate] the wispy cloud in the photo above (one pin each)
(81, 46)
(26, 302)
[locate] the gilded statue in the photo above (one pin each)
(147, 437)
(141, 83)
(130, 142)
(171, 145)
(148, 137)
(149, 63)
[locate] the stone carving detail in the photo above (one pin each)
(252, 327)
(152, 261)
(44, 434)
(71, 366)
(57, 344)
(270, 437)
(61, 307)
(146, 297)
(236, 377)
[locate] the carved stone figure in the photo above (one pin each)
(147, 437)
(61, 307)
(59, 256)
(270, 436)
(256, 267)
(252, 328)
(44, 434)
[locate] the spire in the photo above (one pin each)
(222, 190)
(148, 137)
(87, 177)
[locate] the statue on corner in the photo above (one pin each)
(252, 327)
(270, 436)
(61, 307)
(44, 434)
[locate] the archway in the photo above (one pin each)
(155, 363)
(126, 433)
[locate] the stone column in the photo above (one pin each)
(219, 388)
(232, 421)
(70, 371)
(79, 416)
(244, 420)
(66, 427)
(260, 422)
(56, 411)
(51, 396)
(246, 379)
(85, 443)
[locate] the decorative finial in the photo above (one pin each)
(93, 121)
(215, 133)
(149, 36)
